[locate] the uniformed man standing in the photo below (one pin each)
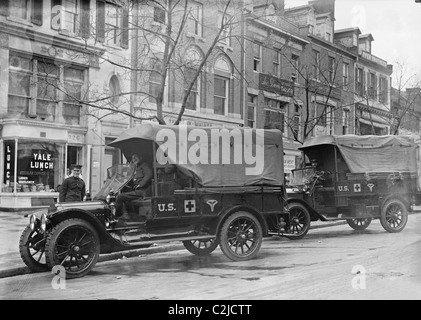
(73, 187)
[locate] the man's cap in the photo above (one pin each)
(76, 166)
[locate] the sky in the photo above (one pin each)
(394, 24)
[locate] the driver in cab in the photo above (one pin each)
(323, 175)
(142, 177)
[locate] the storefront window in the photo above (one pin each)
(40, 166)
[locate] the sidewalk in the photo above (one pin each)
(13, 223)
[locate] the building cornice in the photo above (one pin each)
(332, 46)
(269, 25)
(43, 124)
(56, 40)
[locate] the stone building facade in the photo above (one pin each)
(52, 69)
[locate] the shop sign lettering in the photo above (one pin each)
(9, 151)
(41, 161)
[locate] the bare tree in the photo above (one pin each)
(317, 76)
(405, 105)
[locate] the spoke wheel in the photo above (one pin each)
(241, 236)
(201, 247)
(299, 221)
(32, 250)
(394, 216)
(359, 223)
(74, 245)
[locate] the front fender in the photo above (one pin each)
(313, 213)
(69, 213)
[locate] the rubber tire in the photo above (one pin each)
(198, 251)
(306, 216)
(354, 225)
(223, 236)
(54, 235)
(404, 213)
(25, 253)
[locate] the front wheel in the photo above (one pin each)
(74, 245)
(32, 249)
(241, 236)
(201, 247)
(394, 216)
(359, 223)
(299, 221)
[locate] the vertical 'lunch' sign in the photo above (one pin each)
(9, 166)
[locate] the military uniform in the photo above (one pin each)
(141, 181)
(72, 189)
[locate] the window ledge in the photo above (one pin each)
(225, 47)
(196, 37)
(19, 20)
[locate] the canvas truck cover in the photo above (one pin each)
(204, 154)
(388, 153)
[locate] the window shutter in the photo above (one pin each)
(100, 21)
(364, 83)
(375, 86)
(55, 14)
(36, 17)
(84, 21)
(4, 7)
(125, 29)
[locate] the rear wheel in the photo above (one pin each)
(74, 245)
(241, 236)
(359, 223)
(201, 247)
(299, 221)
(394, 215)
(32, 249)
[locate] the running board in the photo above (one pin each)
(152, 241)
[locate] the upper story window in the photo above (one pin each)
(345, 75)
(225, 37)
(155, 79)
(115, 89)
(221, 91)
(383, 89)
(360, 81)
(332, 69)
(45, 90)
(20, 9)
(276, 63)
(345, 121)
(195, 18)
(257, 57)
(73, 80)
(295, 62)
(112, 24)
(251, 111)
(193, 100)
(372, 85)
(71, 17)
(316, 65)
(222, 87)
(159, 14)
(23, 10)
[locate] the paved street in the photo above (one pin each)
(323, 265)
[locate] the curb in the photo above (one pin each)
(137, 252)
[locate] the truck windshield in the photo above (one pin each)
(117, 176)
(300, 177)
